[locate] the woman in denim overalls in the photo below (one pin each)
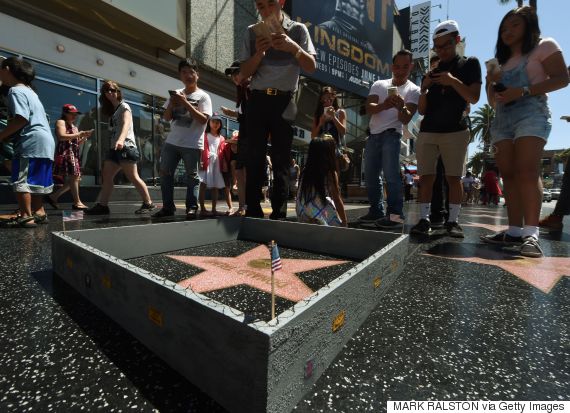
(522, 122)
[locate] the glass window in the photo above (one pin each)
(143, 125)
(6, 54)
(53, 73)
(53, 97)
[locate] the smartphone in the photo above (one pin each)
(172, 92)
(435, 72)
(492, 65)
(499, 87)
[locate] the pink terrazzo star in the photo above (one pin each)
(478, 215)
(252, 268)
(490, 227)
(542, 273)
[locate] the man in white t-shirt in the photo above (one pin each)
(391, 104)
(188, 110)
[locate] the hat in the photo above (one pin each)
(69, 108)
(445, 27)
(216, 116)
(233, 68)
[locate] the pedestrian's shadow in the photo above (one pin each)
(157, 382)
(471, 250)
(556, 235)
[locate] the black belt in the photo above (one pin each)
(272, 92)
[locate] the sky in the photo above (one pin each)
(479, 23)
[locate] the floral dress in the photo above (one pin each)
(67, 154)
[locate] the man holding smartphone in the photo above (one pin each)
(391, 104)
(445, 95)
(188, 110)
(274, 63)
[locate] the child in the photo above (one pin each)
(214, 171)
(67, 157)
(319, 200)
(34, 145)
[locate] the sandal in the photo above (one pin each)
(230, 212)
(41, 219)
(20, 222)
(10, 217)
(239, 213)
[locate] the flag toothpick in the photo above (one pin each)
(276, 265)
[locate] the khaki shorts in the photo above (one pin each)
(451, 146)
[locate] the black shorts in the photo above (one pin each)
(127, 154)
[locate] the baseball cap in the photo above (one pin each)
(216, 116)
(233, 68)
(69, 108)
(445, 27)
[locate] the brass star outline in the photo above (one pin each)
(251, 268)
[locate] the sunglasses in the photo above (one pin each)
(111, 90)
(445, 45)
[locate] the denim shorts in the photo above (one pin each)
(528, 116)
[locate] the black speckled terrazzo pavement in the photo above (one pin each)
(449, 329)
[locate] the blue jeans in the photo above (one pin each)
(170, 155)
(382, 154)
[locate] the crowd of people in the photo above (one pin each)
(526, 67)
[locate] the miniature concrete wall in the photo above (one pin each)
(246, 368)
(204, 341)
(316, 334)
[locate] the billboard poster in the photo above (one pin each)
(353, 39)
(419, 30)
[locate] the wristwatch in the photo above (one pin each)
(404, 108)
(526, 91)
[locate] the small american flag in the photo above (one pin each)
(275, 259)
(72, 215)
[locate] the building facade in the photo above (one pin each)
(74, 46)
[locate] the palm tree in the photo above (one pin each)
(481, 126)
(475, 164)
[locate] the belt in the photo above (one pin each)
(272, 92)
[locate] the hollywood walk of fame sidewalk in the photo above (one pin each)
(464, 321)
